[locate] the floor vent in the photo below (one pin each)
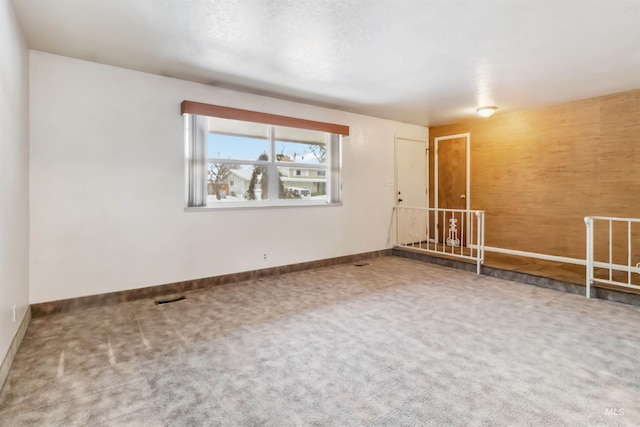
(361, 264)
(167, 301)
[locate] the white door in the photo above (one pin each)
(411, 190)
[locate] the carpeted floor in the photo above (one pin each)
(396, 342)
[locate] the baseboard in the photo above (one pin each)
(547, 257)
(5, 367)
(65, 305)
(441, 259)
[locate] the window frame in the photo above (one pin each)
(197, 160)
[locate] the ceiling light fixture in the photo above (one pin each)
(487, 111)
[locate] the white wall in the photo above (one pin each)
(107, 186)
(14, 176)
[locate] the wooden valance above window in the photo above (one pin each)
(210, 110)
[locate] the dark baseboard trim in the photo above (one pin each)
(431, 259)
(529, 279)
(5, 366)
(111, 298)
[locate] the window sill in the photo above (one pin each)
(260, 205)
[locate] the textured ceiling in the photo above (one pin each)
(422, 62)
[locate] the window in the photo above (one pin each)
(239, 158)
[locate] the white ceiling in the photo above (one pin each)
(423, 62)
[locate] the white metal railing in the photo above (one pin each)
(452, 232)
(623, 237)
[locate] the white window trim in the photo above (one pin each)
(196, 175)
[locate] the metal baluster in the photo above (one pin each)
(610, 250)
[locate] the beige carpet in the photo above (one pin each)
(393, 343)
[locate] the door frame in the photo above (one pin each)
(467, 190)
(395, 168)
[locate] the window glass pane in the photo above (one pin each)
(234, 139)
(227, 182)
(301, 183)
(303, 166)
(300, 145)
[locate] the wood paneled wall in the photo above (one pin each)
(538, 173)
